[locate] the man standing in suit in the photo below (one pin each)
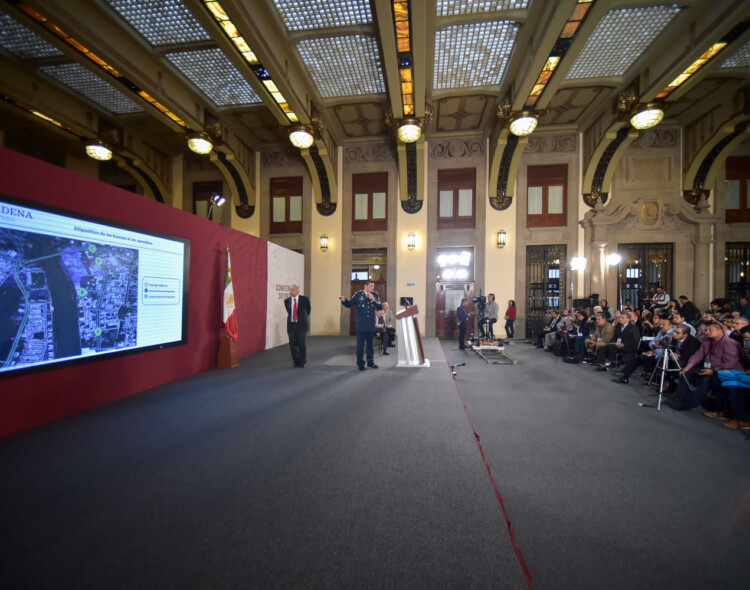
(297, 324)
(367, 304)
(463, 318)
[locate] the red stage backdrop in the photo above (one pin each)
(31, 400)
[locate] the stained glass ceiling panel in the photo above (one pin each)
(739, 59)
(619, 39)
(343, 66)
(218, 78)
(475, 54)
(457, 7)
(21, 41)
(91, 86)
(300, 15)
(161, 22)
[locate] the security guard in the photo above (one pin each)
(367, 304)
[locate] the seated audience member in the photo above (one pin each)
(743, 307)
(579, 331)
(660, 299)
(385, 324)
(626, 345)
(647, 323)
(688, 310)
(550, 328)
(603, 334)
(663, 339)
(685, 345)
(737, 325)
(562, 326)
(736, 386)
(707, 318)
(606, 309)
(715, 307)
(678, 318)
(717, 353)
(616, 321)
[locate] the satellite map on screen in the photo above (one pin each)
(63, 298)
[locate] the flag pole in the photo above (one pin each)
(227, 357)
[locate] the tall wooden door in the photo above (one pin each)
(448, 297)
(380, 287)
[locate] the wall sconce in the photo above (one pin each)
(502, 238)
(301, 136)
(324, 243)
(98, 151)
(647, 116)
(409, 130)
(614, 259)
(578, 263)
(411, 241)
(200, 143)
(523, 124)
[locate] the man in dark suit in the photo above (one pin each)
(625, 345)
(367, 304)
(463, 318)
(297, 324)
(686, 345)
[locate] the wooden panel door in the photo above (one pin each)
(448, 297)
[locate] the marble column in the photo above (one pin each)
(701, 265)
(599, 269)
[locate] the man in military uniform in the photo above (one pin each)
(367, 304)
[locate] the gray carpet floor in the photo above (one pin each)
(267, 476)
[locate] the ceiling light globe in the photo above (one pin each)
(301, 138)
(200, 144)
(523, 124)
(647, 117)
(409, 131)
(98, 151)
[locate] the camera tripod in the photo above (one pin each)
(663, 364)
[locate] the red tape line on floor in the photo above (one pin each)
(519, 555)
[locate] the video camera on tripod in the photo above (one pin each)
(480, 303)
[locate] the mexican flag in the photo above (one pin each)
(230, 314)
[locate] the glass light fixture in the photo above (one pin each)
(98, 151)
(324, 243)
(502, 238)
(411, 241)
(200, 144)
(409, 130)
(614, 259)
(523, 124)
(578, 263)
(301, 137)
(376, 266)
(217, 199)
(647, 116)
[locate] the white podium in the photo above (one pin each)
(410, 351)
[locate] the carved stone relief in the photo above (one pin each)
(657, 138)
(552, 143)
(372, 153)
(456, 149)
(278, 160)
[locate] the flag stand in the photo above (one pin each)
(227, 356)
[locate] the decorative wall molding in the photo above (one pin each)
(278, 160)
(552, 143)
(370, 153)
(456, 149)
(657, 138)
(199, 165)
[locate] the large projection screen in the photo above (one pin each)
(74, 288)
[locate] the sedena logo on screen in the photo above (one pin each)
(75, 287)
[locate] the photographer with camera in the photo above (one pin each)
(463, 318)
(662, 340)
(490, 317)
